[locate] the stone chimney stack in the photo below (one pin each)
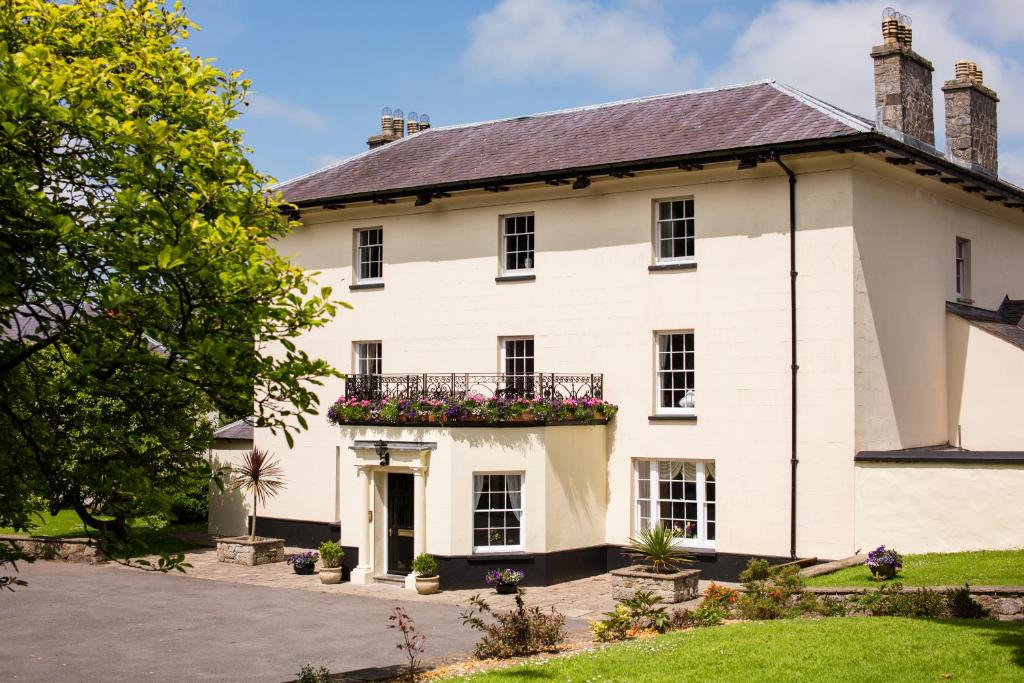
(971, 132)
(903, 81)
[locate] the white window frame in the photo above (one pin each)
(962, 261)
(660, 222)
(503, 358)
(658, 372)
(360, 356)
(700, 540)
(483, 550)
(503, 235)
(358, 252)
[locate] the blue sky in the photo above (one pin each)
(322, 69)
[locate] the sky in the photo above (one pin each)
(321, 70)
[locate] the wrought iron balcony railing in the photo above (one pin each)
(456, 385)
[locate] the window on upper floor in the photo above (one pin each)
(674, 379)
(497, 512)
(369, 256)
(517, 254)
(963, 269)
(679, 495)
(674, 231)
(368, 357)
(517, 363)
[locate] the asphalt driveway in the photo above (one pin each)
(105, 623)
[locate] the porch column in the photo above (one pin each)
(419, 519)
(363, 572)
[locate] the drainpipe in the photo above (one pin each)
(793, 367)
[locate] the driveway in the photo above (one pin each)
(106, 623)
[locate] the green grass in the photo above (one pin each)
(146, 540)
(979, 568)
(847, 649)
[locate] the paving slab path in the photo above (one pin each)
(107, 623)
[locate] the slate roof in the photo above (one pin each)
(1007, 323)
(753, 115)
(239, 430)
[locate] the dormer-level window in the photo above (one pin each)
(369, 256)
(517, 244)
(674, 231)
(963, 268)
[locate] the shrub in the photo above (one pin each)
(517, 633)
(715, 607)
(193, 503)
(657, 547)
(962, 606)
(413, 644)
(331, 554)
(775, 596)
(831, 607)
(630, 617)
(892, 601)
(884, 563)
(425, 565)
(307, 674)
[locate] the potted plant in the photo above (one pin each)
(303, 563)
(330, 562)
(261, 476)
(505, 581)
(884, 563)
(427, 580)
(660, 569)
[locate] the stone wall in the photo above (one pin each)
(1005, 603)
(241, 550)
(671, 588)
(64, 549)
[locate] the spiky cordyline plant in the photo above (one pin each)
(657, 547)
(261, 476)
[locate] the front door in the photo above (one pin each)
(400, 520)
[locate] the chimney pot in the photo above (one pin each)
(971, 130)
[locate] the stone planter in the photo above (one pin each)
(671, 588)
(330, 575)
(428, 585)
(241, 550)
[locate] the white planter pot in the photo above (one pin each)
(330, 575)
(427, 585)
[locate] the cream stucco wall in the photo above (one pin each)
(986, 389)
(920, 508)
(874, 255)
(229, 509)
(906, 228)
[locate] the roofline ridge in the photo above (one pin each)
(603, 105)
(841, 115)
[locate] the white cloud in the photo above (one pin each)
(267, 107)
(617, 46)
(822, 48)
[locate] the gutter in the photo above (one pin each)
(793, 366)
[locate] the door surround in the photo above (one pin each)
(406, 457)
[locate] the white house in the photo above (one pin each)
(806, 318)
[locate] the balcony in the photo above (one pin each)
(472, 399)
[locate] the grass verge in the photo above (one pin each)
(979, 568)
(848, 649)
(145, 539)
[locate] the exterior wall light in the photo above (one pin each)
(382, 453)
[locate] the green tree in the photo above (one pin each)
(139, 286)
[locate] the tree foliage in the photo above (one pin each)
(139, 286)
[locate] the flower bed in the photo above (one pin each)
(471, 408)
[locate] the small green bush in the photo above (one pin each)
(891, 601)
(307, 674)
(517, 633)
(770, 593)
(642, 612)
(331, 554)
(962, 606)
(425, 565)
(192, 504)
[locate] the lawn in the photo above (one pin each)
(848, 649)
(980, 568)
(147, 540)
